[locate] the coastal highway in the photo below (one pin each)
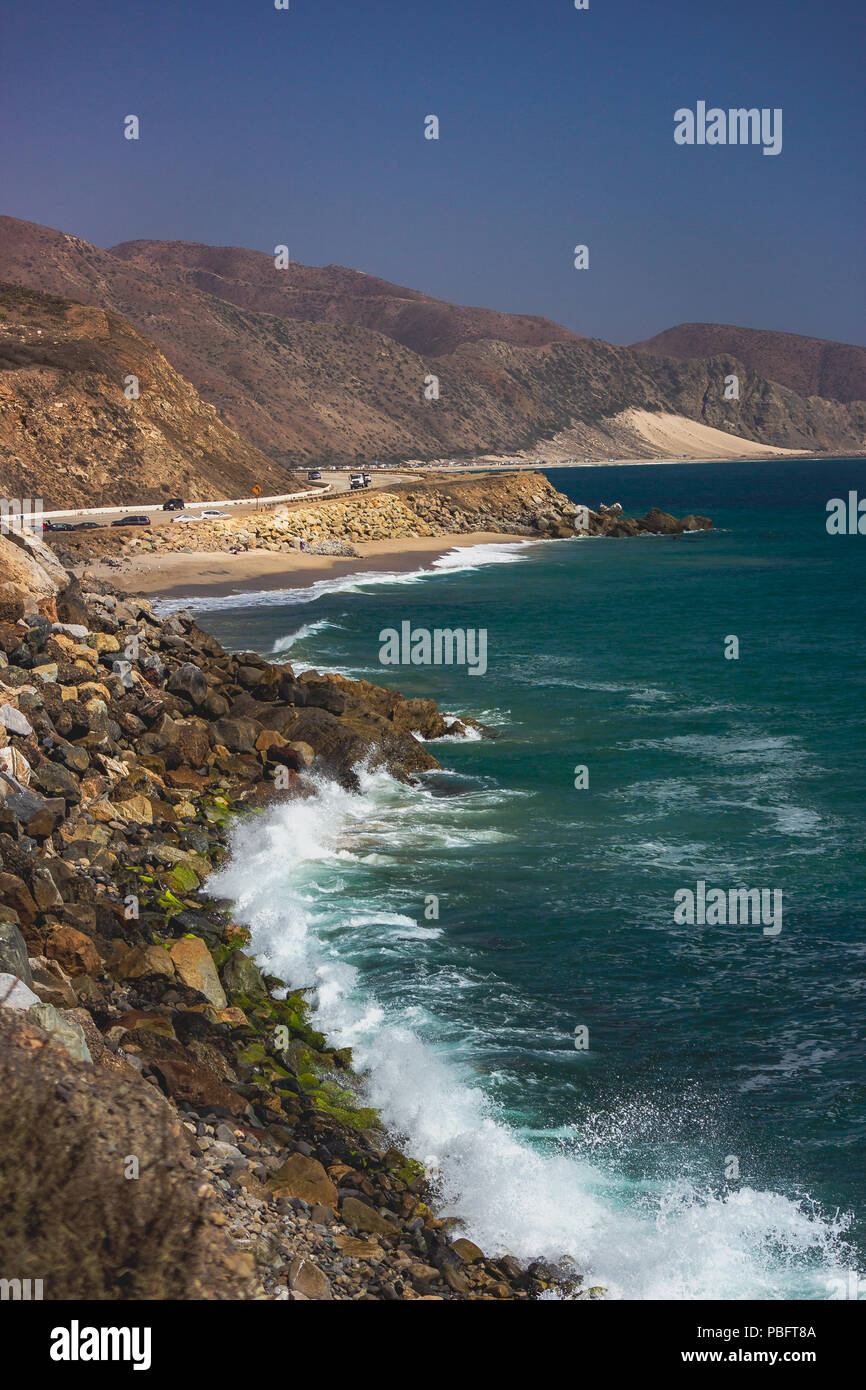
(331, 484)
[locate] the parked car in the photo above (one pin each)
(57, 526)
(212, 516)
(132, 521)
(86, 526)
(174, 504)
(314, 475)
(187, 516)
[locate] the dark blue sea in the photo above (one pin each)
(705, 1137)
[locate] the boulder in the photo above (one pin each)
(194, 965)
(190, 682)
(304, 1177)
(13, 953)
(14, 721)
(142, 963)
(467, 1251)
(15, 994)
(305, 1277)
(241, 975)
(364, 1218)
(73, 950)
(65, 1030)
(237, 735)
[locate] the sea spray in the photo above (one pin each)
(659, 1237)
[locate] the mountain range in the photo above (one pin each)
(306, 365)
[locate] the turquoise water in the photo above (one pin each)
(709, 1142)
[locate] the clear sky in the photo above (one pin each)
(306, 127)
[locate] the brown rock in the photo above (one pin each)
(194, 964)
(143, 962)
(363, 1218)
(184, 1081)
(304, 1177)
(467, 1251)
(75, 951)
(306, 1278)
(14, 891)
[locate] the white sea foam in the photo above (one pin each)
(472, 557)
(663, 1237)
(285, 644)
(469, 557)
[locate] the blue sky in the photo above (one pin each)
(306, 127)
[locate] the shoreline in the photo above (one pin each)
(207, 573)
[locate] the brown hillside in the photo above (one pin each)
(334, 294)
(68, 433)
(306, 392)
(809, 366)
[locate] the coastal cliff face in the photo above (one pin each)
(70, 435)
(133, 1022)
(331, 366)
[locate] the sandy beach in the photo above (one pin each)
(219, 572)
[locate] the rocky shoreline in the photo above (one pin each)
(174, 1126)
(521, 504)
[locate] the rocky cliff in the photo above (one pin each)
(134, 1023)
(69, 433)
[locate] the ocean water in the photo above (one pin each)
(709, 1140)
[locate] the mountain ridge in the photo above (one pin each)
(311, 391)
(809, 366)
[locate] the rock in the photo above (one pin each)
(195, 1086)
(51, 985)
(73, 950)
(190, 682)
(13, 953)
(364, 1218)
(237, 735)
(14, 892)
(356, 1247)
(136, 809)
(15, 765)
(56, 780)
(241, 975)
(304, 1177)
(14, 721)
(305, 1277)
(141, 963)
(65, 1030)
(15, 994)
(12, 602)
(467, 1251)
(194, 964)
(182, 741)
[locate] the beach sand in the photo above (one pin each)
(218, 572)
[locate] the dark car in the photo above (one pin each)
(314, 475)
(57, 526)
(132, 521)
(86, 526)
(174, 504)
